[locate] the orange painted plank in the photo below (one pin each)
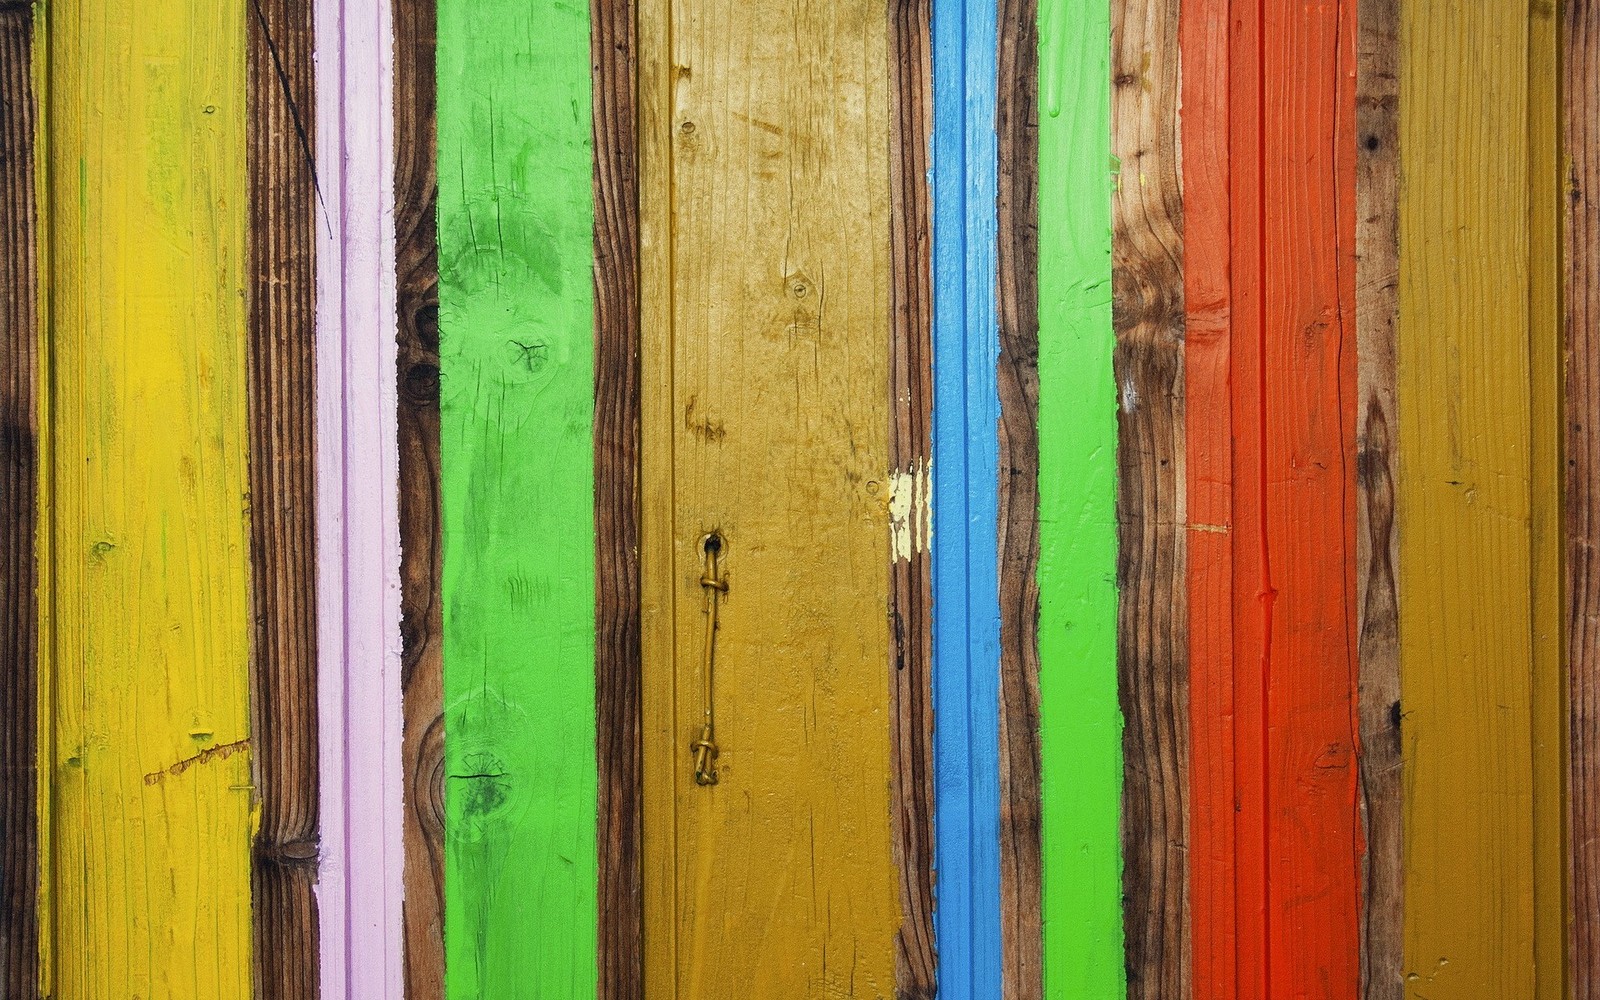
(1271, 394)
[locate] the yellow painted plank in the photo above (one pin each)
(146, 493)
(1478, 502)
(766, 253)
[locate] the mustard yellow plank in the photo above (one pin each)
(148, 759)
(1478, 502)
(766, 418)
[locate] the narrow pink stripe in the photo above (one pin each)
(358, 533)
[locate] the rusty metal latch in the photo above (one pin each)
(714, 585)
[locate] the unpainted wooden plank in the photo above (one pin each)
(1581, 201)
(416, 193)
(1152, 620)
(19, 454)
(282, 373)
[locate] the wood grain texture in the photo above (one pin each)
(1275, 858)
(1478, 500)
(910, 453)
(1377, 544)
(1017, 305)
(19, 446)
(416, 193)
(767, 296)
(282, 372)
(146, 605)
(1152, 622)
(616, 491)
(1581, 201)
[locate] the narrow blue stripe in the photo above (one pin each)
(966, 479)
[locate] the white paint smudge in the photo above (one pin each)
(910, 512)
(1130, 396)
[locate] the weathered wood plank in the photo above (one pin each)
(1017, 306)
(1152, 625)
(616, 512)
(19, 447)
(416, 194)
(1377, 600)
(1478, 499)
(1581, 142)
(910, 452)
(281, 359)
(516, 254)
(146, 606)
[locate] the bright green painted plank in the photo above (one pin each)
(1080, 722)
(516, 357)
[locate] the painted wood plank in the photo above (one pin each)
(767, 419)
(966, 412)
(1377, 543)
(146, 603)
(1581, 146)
(516, 232)
(1017, 382)
(910, 455)
(359, 888)
(416, 203)
(1476, 359)
(1080, 720)
(1152, 621)
(616, 499)
(1276, 903)
(282, 380)
(19, 458)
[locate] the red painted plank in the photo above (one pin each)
(1270, 222)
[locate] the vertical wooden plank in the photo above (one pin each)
(282, 372)
(147, 492)
(416, 203)
(1080, 720)
(1477, 406)
(616, 513)
(1276, 859)
(1152, 624)
(966, 413)
(360, 887)
(19, 437)
(910, 457)
(1017, 265)
(1581, 191)
(516, 235)
(1377, 544)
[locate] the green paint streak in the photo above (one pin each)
(516, 218)
(1080, 722)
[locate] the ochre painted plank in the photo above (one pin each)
(416, 202)
(1276, 896)
(281, 362)
(1152, 625)
(516, 237)
(1080, 720)
(1377, 602)
(1017, 306)
(146, 495)
(616, 512)
(19, 439)
(1478, 501)
(767, 275)
(1581, 141)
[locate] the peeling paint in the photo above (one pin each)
(910, 512)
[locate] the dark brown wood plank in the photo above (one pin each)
(1581, 133)
(282, 381)
(616, 455)
(1377, 597)
(910, 446)
(1017, 124)
(19, 624)
(1152, 609)
(416, 192)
